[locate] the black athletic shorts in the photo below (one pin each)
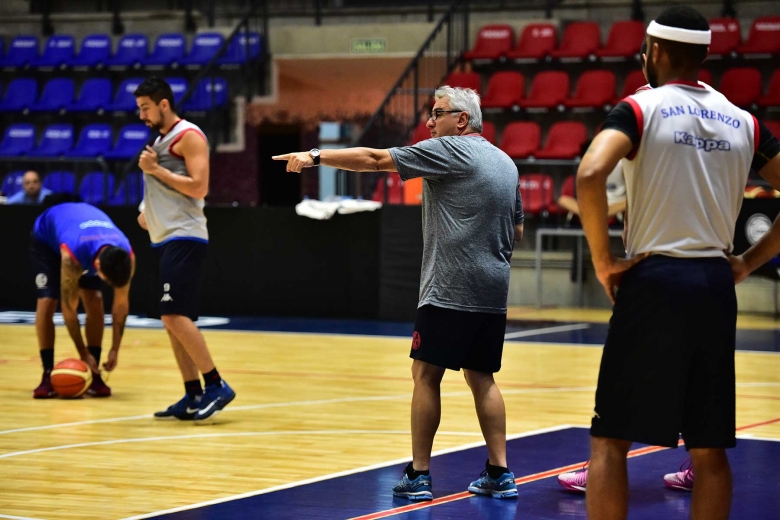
(177, 277)
(668, 362)
(46, 268)
(458, 339)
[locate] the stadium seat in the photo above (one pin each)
(57, 139)
(726, 37)
(57, 94)
(741, 85)
(21, 94)
(178, 86)
(772, 96)
(538, 193)
(631, 83)
(548, 90)
(124, 100)
(95, 52)
(236, 52)
(168, 51)
(58, 51)
(624, 40)
(210, 93)
(130, 52)
(595, 89)
(421, 133)
(774, 127)
(395, 189)
(493, 43)
(564, 141)
(470, 80)
(97, 187)
(521, 139)
(12, 183)
(489, 131)
(580, 40)
(60, 182)
(19, 139)
(764, 37)
(705, 76)
(130, 190)
(94, 141)
(95, 95)
(537, 41)
(504, 90)
(132, 138)
(21, 52)
(204, 47)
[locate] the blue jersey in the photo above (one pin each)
(82, 229)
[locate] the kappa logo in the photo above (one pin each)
(41, 280)
(416, 340)
(166, 297)
(701, 143)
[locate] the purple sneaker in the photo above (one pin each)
(683, 479)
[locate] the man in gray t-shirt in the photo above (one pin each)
(472, 215)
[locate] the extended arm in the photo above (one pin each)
(351, 159)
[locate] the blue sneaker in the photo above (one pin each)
(215, 398)
(417, 489)
(502, 487)
(184, 410)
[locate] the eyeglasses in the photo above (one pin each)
(436, 114)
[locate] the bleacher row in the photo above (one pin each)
(95, 187)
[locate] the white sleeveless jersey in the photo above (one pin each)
(686, 179)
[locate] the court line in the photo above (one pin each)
(339, 474)
(11, 517)
(546, 330)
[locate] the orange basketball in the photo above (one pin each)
(71, 378)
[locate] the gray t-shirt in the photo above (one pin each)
(471, 203)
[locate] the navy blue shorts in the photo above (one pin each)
(46, 269)
(668, 362)
(178, 277)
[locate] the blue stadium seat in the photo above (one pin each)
(18, 140)
(56, 95)
(22, 50)
(124, 100)
(130, 190)
(60, 182)
(21, 94)
(210, 93)
(12, 183)
(94, 141)
(58, 51)
(204, 47)
(57, 139)
(168, 50)
(131, 139)
(178, 86)
(236, 52)
(95, 94)
(97, 187)
(95, 51)
(130, 52)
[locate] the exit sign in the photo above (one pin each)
(369, 45)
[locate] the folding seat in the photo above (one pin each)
(95, 95)
(58, 51)
(595, 89)
(470, 80)
(178, 86)
(564, 141)
(132, 138)
(493, 43)
(705, 76)
(631, 83)
(741, 85)
(129, 192)
(57, 94)
(95, 52)
(57, 139)
(19, 139)
(537, 41)
(548, 90)
(210, 93)
(60, 182)
(538, 193)
(774, 127)
(20, 96)
(421, 133)
(21, 52)
(94, 141)
(236, 52)
(504, 90)
(395, 189)
(204, 47)
(764, 37)
(124, 100)
(130, 52)
(521, 139)
(97, 187)
(168, 51)
(12, 183)
(624, 40)
(772, 97)
(726, 37)
(489, 131)
(580, 40)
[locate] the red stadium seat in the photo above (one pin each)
(538, 192)
(705, 76)
(595, 89)
(774, 127)
(631, 83)
(521, 139)
(395, 192)
(470, 80)
(493, 42)
(726, 36)
(772, 97)
(489, 131)
(421, 133)
(624, 40)
(504, 90)
(564, 141)
(548, 90)
(536, 43)
(741, 85)
(580, 40)
(764, 37)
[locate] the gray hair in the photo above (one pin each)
(465, 99)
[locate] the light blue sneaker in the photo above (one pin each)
(502, 487)
(417, 489)
(214, 399)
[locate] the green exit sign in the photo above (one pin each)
(369, 45)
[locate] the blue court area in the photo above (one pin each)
(535, 460)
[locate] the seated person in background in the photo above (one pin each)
(32, 191)
(616, 195)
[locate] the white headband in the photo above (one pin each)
(676, 34)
